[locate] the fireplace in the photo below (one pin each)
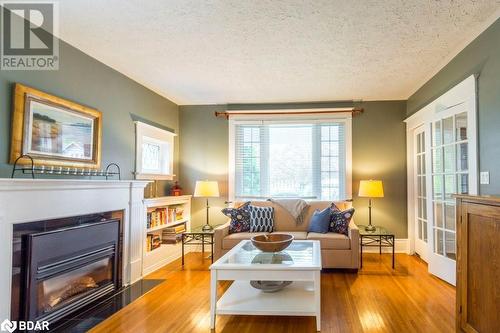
(67, 265)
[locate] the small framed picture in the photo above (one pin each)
(54, 131)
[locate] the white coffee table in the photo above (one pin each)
(300, 263)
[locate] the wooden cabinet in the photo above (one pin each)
(478, 264)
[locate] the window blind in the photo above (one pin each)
(300, 160)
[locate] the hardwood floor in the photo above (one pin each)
(377, 299)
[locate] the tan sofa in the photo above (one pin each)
(337, 250)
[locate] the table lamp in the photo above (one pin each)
(370, 189)
(206, 189)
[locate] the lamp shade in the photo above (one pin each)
(371, 189)
(206, 189)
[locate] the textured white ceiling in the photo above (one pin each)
(246, 51)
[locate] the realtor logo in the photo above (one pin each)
(8, 326)
(27, 35)
(11, 326)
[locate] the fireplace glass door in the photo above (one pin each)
(57, 291)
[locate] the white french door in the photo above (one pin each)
(453, 171)
(420, 192)
(443, 161)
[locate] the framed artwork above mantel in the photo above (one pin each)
(54, 131)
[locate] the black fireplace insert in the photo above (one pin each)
(69, 268)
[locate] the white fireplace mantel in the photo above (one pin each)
(28, 200)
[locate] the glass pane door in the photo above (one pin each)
(443, 161)
(449, 175)
(420, 193)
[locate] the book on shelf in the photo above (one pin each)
(172, 235)
(156, 242)
(169, 235)
(148, 242)
(179, 213)
(153, 242)
(164, 215)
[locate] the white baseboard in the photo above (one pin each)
(176, 254)
(401, 246)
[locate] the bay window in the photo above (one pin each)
(301, 158)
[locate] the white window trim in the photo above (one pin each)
(345, 118)
(159, 135)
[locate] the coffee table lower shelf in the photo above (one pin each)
(297, 299)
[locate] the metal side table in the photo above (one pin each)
(197, 236)
(379, 237)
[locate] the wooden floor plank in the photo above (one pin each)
(377, 299)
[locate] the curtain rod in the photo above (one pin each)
(227, 114)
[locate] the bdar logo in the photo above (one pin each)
(8, 326)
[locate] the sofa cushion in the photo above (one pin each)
(240, 218)
(261, 219)
(231, 240)
(320, 221)
(297, 235)
(339, 220)
(283, 221)
(331, 240)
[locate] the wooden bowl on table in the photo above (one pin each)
(272, 242)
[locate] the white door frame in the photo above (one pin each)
(413, 123)
(418, 244)
(462, 93)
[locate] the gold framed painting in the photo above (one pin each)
(54, 131)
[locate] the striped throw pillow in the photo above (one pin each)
(261, 219)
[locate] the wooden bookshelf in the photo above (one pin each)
(161, 216)
(163, 226)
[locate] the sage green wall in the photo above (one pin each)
(203, 143)
(87, 81)
(379, 151)
(480, 57)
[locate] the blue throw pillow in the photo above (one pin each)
(320, 221)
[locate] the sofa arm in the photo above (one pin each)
(353, 230)
(219, 233)
(354, 237)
